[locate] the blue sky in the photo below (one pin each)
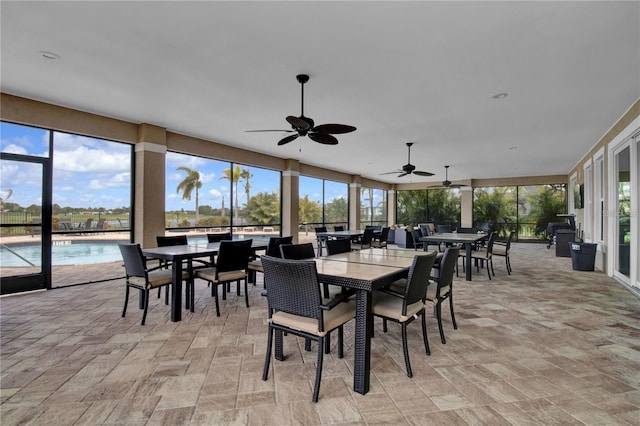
(91, 172)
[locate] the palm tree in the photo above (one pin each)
(188, 184)
(246, 175)
(233, 178)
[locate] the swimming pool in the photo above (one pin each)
(63, 253)
(81, 252)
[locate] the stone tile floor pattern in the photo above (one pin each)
(546, 345)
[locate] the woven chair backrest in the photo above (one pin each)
(273, 247)
(448, 266)
(338, 228)
(384, 234)
(134, 262)
(215, 238)
(173, 240)
(297, 251)
(340, 245)
(320, 229)
(367, 237)
(443, 229)
(418, 279)
(233, 255)
(492, 239)
(292, 286)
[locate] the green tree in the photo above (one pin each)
(264, 208)
(337, 210)
(545, 205)
(309, 211)
(496, 206)
(188, 184)
(233, 177)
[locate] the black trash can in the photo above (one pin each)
(583, 256)
(563, 238)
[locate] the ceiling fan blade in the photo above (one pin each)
(402, 174)
(288, 139)
(274, 130)
(298, 122)
(333, 128)
(323, 138)
(420, 173)
(391, 173)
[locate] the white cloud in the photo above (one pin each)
(13, 149)
(213, 193)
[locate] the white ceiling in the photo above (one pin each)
(398, 71)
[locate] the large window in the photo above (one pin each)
(526, 209)
(218, 196)
(75, 207)
(497, 207)
(373, 207)
(322, 202)
(441, 206)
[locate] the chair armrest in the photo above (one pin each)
(500, 243)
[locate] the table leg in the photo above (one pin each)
(176, 291)
(467, 265)
(362, 349)
(319, 244)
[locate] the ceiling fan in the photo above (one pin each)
(446, 183)
(304, 126)
(409, 168)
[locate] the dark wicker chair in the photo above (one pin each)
(403, 301)
(297, 251)
(443, 229)
(273, 249)
(139, 276)
(340, 245)
(338, 228)
(416, 234)
(365, 241)
(231, 265)
(381, 240)
(216, 238)
(485, 255)
(443, 288)
(503, 249)
(295, 307)
(166, 241)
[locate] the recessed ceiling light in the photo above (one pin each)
(49, 55)
(500, 96)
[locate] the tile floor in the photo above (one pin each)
(546, 345)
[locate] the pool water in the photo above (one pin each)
(73, 252)
(62, 253)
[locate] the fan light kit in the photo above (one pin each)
(304, 126)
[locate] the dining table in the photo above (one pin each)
(364, 271)
(180, 253)
(469, 240)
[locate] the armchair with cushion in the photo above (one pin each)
(143, 278)
(503, 249)
(296, 307)
(443, 288)
(404, 300)
(231, 265)
(381, 241)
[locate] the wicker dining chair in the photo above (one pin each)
(365, 241)
(403, 301)
(503, 249)
(166, 241)
(381, 240)
(231, 265)
(295, 307)
(443, 289)
(143, 278)
(339, 245)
